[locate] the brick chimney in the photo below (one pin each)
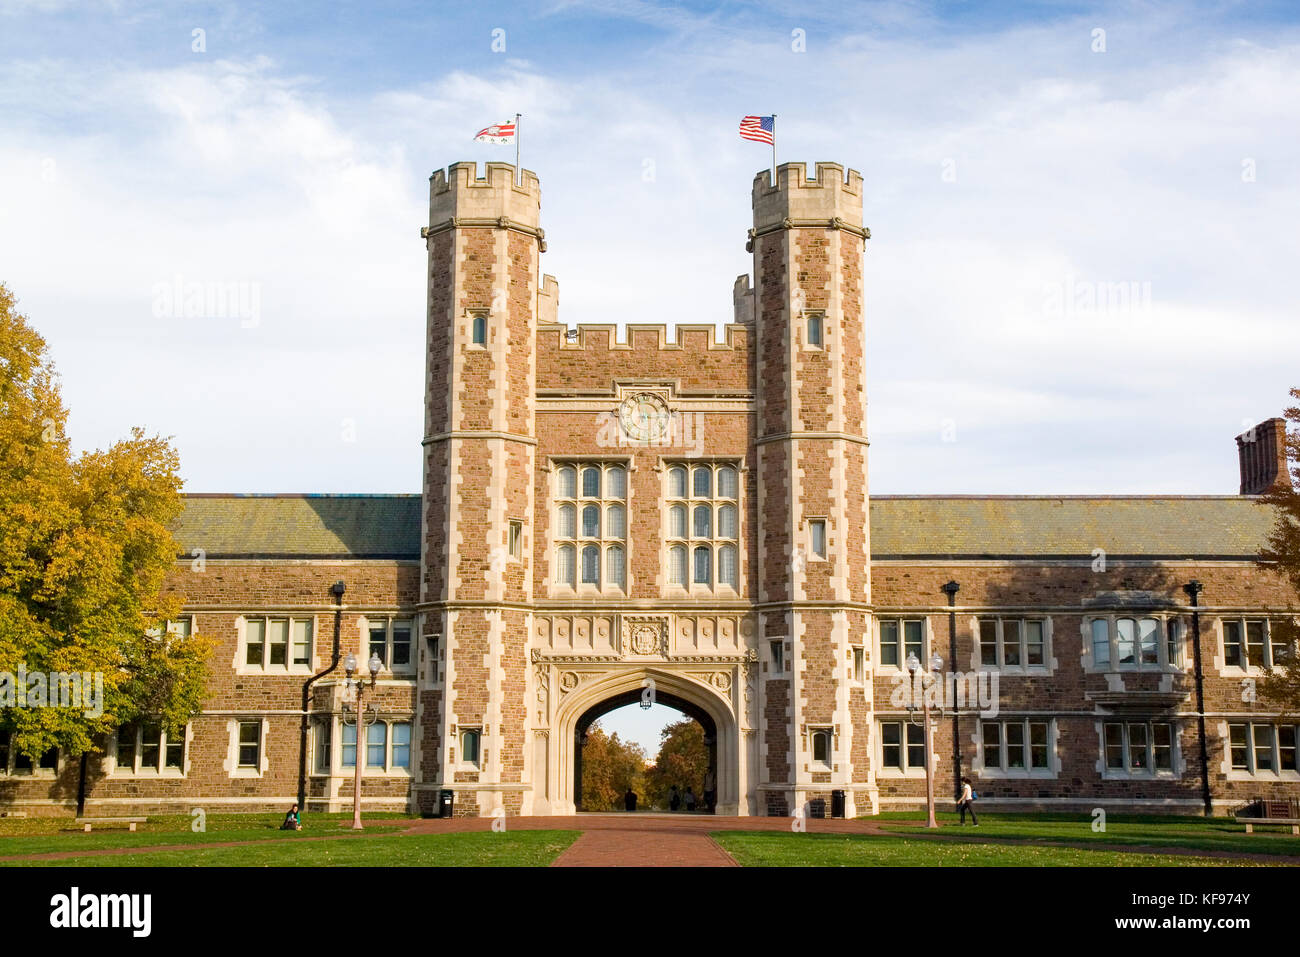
(1262, 453)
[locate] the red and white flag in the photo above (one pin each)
(760, 129)
(497, 133)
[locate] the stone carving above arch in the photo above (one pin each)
(645, 635)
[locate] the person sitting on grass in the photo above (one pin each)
(292, 820)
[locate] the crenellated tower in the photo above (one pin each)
(484, 244)
(811, 454)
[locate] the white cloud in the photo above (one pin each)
(1071, 168)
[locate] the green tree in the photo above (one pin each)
(1282, 555)
(683, 760)
(85, 548)
(609, 768)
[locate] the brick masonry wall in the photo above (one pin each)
(1058, 592)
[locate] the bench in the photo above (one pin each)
(1293, 821)
(1284, 813)
(89, 822)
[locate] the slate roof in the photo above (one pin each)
(301, 526)
(1025, 526)
(902, 526)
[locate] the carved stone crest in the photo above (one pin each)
(646, 636)
(645, 640)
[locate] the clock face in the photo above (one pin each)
(644, 416)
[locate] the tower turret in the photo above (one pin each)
(811, 451)
(484, 243)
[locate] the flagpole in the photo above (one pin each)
(518, 171)
(773, 149)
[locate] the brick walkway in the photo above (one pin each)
(644, 847)
(643, 839)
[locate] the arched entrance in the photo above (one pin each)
(690, 693)
(688, 708)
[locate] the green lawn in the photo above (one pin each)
(776, 849)
(39, 835)
(1037, 838)
(466, 849)
(1216, 834)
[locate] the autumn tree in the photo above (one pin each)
(1281, 554)
(85, 547)
(683, 760)
(609, 768)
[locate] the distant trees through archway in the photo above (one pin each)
(608, 765)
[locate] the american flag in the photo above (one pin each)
(497, 133)
(760, 129)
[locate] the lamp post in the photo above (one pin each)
(1194, 589)
(927, 680)
(354, 694)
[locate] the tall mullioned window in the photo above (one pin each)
(144, 748)
(1018, 746)
(1254, 643)
(390, 639)
(1124, 643)
(1012, 643)
(277, 644)
(702, 503)
(590, 541)
(1257, 746)
(899, 639)
(1138, 747)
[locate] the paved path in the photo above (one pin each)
(644, 847)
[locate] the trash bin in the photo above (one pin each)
(446, 803)
(837, 804)
(817, 807)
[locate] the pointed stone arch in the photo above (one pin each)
(604, 692)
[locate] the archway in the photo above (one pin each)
(689, 708)
(688, 692)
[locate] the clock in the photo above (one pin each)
(644, 416)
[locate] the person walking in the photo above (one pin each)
(674, 799)
(967, 803)
(690, 800)
(629, 800)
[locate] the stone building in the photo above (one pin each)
(608, 517)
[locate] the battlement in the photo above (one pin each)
(459, 192)
(833, 194)
(591, 357)
(600, 335)
(742, 299)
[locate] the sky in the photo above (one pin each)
(1081, 276)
